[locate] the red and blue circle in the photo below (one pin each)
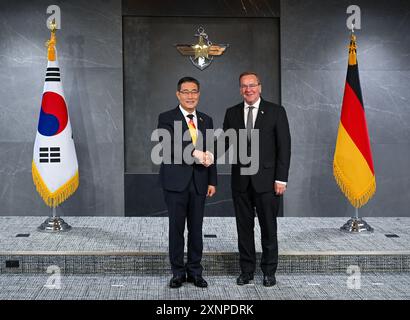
(53, 114)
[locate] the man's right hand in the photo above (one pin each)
(199, 155)
(280, 188)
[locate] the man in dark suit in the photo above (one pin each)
(187, 180)
(263, 188)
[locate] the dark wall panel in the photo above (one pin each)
(144, 197)
(204, 8)
(152, 68)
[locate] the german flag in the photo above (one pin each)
(353, 164)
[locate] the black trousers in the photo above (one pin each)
(267, 205)
(186, 205)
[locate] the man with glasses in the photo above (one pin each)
(187, 182)
(262, 189)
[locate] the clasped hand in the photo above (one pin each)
(205, 158)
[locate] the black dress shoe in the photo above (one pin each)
(269, 281)
(198, 281)
(244, 278)
(177, 281)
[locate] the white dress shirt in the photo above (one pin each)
(254, 111)
(195, 119)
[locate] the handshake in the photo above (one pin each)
(205, 158)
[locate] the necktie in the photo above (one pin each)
(249, 122)
(192, 128)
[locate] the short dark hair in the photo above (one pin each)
(187, 79)
(249, 73)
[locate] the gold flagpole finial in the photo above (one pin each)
(352, 49)
(51, 44)
(53, 26)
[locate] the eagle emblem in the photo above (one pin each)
(202, 53)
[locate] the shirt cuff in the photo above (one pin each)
(282, 182)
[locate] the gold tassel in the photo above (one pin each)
(356, 202)
(352, 51)
(61, 194)
(51, 44)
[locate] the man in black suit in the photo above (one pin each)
(263, 188)
(187, 180)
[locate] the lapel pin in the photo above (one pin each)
(262, 112)
(200, 119)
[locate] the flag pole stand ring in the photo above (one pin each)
(54, 224)
(356, 225)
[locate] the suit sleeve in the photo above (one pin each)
(283, 144)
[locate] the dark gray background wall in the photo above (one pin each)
(313, 69)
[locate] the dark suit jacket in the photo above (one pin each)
(274, 146)
(176, 176)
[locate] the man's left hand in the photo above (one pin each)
(211, 191)
(280, 188)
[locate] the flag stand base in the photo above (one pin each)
(54, 224)
(356, 225)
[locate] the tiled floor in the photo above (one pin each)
(304, 236)
(383, 286)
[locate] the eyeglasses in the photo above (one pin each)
(249, 86)
(186, 92)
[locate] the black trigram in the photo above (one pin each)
(53, 74)
(51, 154)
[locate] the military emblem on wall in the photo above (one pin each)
(202, 53)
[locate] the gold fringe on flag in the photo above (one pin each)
(356, 200)
(53, 199)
